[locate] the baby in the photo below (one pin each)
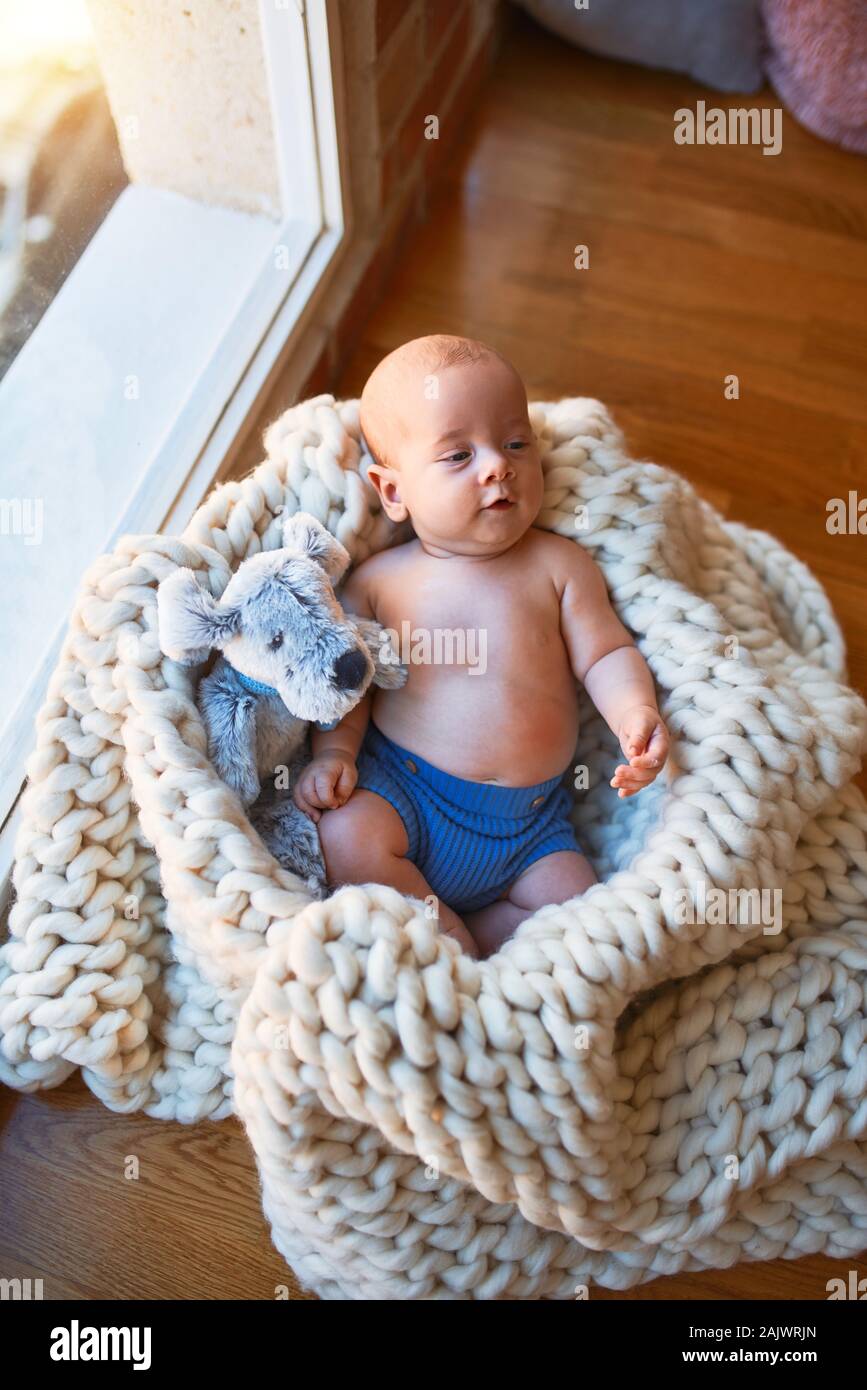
(455, 785)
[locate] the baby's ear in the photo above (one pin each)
(387, 669)
(310, 540)
(190, 621)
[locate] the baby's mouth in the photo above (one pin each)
(502, 504)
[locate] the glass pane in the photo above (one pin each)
(60, 164)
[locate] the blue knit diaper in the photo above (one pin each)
(471, 840)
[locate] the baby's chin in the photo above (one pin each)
(488, 527)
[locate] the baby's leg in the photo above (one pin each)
(555, 878)
(364, 841)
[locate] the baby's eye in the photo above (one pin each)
(457, 457)
(276, 642)
(517, 444)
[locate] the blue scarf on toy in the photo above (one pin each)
(257, 688)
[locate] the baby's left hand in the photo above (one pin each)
(644, 740)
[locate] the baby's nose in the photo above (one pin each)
(495, 467)
(349, 669)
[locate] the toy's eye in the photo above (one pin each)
(276, 642)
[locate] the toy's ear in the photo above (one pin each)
(309, 539)
(387, 669)
(190, 621)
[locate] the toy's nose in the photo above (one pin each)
(349, 670)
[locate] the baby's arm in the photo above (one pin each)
(329, 779)
(615, 675)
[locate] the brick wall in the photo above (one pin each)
(416, 59)
(404, 61)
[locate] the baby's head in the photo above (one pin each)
(446, 423)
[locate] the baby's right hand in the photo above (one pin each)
(325, 783)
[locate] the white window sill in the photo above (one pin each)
(136, 389)
(120, 409)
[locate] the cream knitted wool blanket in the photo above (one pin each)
(621, 1092)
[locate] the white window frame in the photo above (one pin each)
(264, 317)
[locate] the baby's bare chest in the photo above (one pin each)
(512, 615)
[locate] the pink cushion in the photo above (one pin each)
(817, 62)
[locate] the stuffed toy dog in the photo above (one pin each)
(289, 656)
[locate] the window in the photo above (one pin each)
(60, 164)
(131, 394)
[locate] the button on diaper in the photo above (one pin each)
(408, 762)
(537, 801)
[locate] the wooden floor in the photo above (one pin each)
(704, 261)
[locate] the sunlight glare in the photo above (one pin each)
(56, 30)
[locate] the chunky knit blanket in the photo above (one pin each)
(642, 1081)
